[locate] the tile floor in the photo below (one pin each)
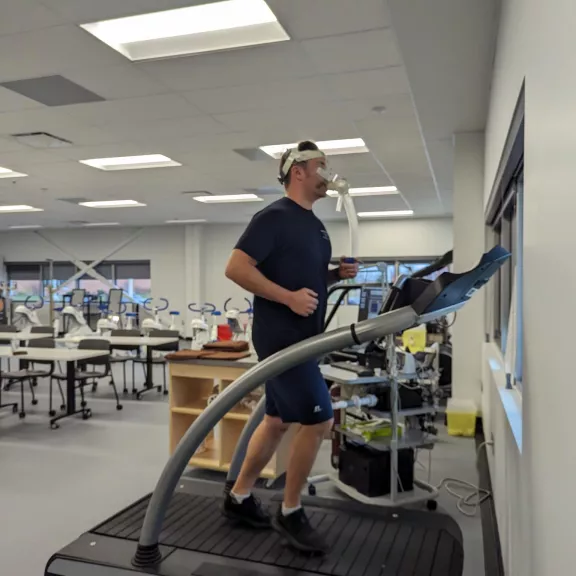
(54, 485)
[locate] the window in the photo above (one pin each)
(33, 279)
(508, 282)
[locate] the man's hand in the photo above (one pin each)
(303, 302)
(347, 270)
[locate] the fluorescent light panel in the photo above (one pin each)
(131, 162)
(369, 191)
(329, 147)
(191, 30)
(89, 224)
(20, 208)
(7, 173)
(228, 198)
(385, 214)
(198, 221)
(25, 226)
(112, 204)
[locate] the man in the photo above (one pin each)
(282, 258)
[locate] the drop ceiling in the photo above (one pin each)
(341, 62)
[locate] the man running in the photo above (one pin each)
(282, 258)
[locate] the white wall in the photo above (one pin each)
(469, 241)
(537, 41)
(187, 262)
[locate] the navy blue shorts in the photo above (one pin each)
(299, 395)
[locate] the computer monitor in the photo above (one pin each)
(78, 295)
(115, 300)
(370, 302)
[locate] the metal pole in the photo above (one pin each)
(51, 290)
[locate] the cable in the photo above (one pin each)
(468, 503)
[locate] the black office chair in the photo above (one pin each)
(46, 343)
(29, 372)
(84, 375)
(173, 347)
(42, 330)
(7, 342)
(124, 359)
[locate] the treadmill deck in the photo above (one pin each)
(364, 540)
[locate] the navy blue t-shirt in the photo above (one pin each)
(292, 249)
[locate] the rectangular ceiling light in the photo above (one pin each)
(7, 173)
(329, 147)
(101, 224)
(192, 30)
(228, 198)
(369, 191)
(20, 208)
(385, 214)
(112, 204)
(131, 162)
(25, 226)
(200, 221)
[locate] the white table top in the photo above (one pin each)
(21, 336)
(122, 340)
(49, 354)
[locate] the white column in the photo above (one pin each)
(193, 271)
(469, 242)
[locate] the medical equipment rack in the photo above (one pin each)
(410, 438)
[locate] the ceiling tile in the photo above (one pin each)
(52, 51)
(258, 96)
(133, 110)
(167, 130)
(349, 52)
(83, 11)
(121, 81)
(312, 19)
(12, 102)
(26, 15)
(368, 83)
(233, 68)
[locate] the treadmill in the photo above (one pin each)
(178, 529)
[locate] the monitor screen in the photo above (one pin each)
(78, 295)
(115, 300)
(370, 303)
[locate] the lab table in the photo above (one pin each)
(70, 357)
(150, 342)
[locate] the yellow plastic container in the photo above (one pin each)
(461, 416)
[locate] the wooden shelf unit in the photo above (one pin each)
(191, 385)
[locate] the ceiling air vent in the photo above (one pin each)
(41, 140)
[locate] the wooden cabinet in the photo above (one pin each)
(191, 386)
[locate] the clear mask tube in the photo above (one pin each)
(345, 201)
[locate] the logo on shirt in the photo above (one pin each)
(324, 234)
(317, 409)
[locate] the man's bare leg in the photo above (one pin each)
(261, 448)
(303, 452)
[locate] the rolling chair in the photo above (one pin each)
(124, 359)
(84, 375)
(161, 360)
(6, 342)
(30, 373)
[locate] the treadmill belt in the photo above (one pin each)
(364, 541)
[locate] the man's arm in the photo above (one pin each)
(346, 271)
(241, 269)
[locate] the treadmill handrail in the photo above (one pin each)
(389, 323)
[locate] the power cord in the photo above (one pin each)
(473, 496)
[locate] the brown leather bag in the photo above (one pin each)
(228, 345)
(183, 355)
